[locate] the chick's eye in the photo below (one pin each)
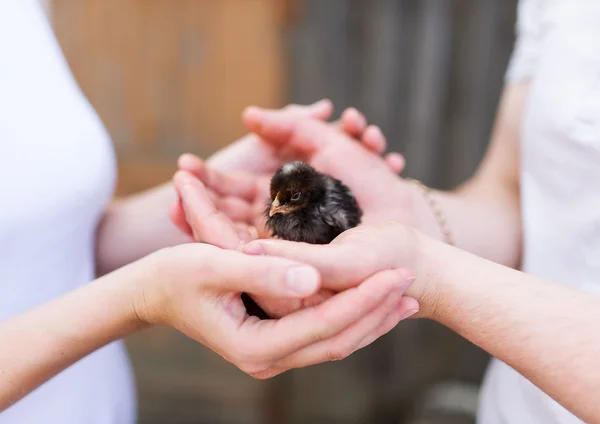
(296, 197)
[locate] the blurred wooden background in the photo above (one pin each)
(173, 76)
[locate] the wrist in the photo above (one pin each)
(137, 284)
(428, 215)
(426, 265)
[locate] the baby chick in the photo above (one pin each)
(309, 206)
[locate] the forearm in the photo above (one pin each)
(483, 219)
(40, 343)
(483, 214)
(549, 333)
(136, 226)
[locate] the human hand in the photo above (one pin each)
(362, 252)
(236, 178)
(195, 288)
(227, 209)
(373, 180)
(237, 199)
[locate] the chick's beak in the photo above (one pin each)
(276, 207)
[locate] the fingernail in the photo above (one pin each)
(182, 177)
(254, 249)
(406, 278)
(409, 314)
(302, 280)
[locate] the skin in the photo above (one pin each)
(227, 208)
(472, 288)
(513, 316)
(486, 207)
(123, 235)
(195, 288)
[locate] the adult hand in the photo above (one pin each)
(195, 288)
(252, 160)
(374, 181)
(227, 209)
(359, 253)
(235, 201)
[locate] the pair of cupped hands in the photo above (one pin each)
(327, 300)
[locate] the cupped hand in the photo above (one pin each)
(226, 209)
(382, 195)
(360, 253)
(236, 178)
(195, 288)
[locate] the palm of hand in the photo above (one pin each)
(376, 188)
(227, 209)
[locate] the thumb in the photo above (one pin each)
(208, 225)
(305, 135)
(178, 218)
(232, 271)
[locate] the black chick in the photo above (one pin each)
(306, 206)
(309, 206)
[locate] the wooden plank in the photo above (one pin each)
(429, 85)
(382, 75)
(169, 79)
(321, 40)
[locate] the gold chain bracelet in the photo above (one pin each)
(436, 209)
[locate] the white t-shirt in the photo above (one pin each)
(57, 172)
(558, 51)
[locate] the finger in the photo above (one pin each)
(238, 185)
(191, 163)
(348, 341)
(323, 109)
(230, 271)
(273, 125)
(236, 209)
(207, 223)
(303, 136)
(374, 140)
(277, 121)
(277, 339)
(353, 122)
(177, 217)
(396, 162)
(341, 266)
(245, 232)
(406, 307)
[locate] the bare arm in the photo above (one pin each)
(39, 344)
(549, 333)
(136, 226)
(484, 213)
(190, 288)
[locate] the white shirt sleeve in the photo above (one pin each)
(529, 37)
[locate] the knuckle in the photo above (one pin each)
(264, 375)
(252, 368)
(321, 332)
(338, 354)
